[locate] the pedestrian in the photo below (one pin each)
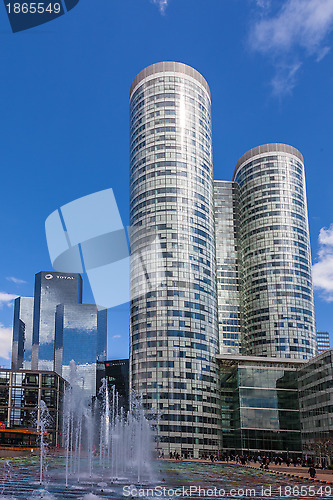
(312, 472)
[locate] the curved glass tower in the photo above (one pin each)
(174, 336)
(276, 291)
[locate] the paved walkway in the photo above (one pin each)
(324, 476)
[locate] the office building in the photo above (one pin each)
(117, 376)
(79, 334)
(21, 391)
(323, 341)
(80, 337)
(259, 402)
(226, 203)
(316, 404)
(22, 333)
(174, 336)
(276, 273)
(51, 289)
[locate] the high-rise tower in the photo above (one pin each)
(80, 336)
(323, 341)
(226, 210)
(51, 289)
(174, 337)
(22, 333)
(276, 292)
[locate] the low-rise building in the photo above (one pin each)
(21, 392)
(316, 405)
(260, 411)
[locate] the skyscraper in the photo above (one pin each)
(22, 333)
(117, 375)
(276, 281)
(54, 327)
(226, 210)
(174, 336)
(323, 341)
(51, 289)
(80, 336)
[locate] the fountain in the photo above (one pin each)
(102, 448)
(125, 440)
(43, 422)
(106, 454)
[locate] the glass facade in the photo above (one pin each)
(260, 410)
(323, 341)
(276, 275)
(316, 403)
(20, 394)
(226, 203)
(80, 336)
(117, 375)
(51, 289)
(174, 336)
(22, 333)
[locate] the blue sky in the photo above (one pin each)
(64, 115)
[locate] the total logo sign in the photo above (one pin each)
(50, 276)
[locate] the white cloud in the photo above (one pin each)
(116, 336)
(263, 4)
(323, 268)
(304, 23)
(285, 78)
(297, 30)
(6, 334)
(162, 5)
(6, 298)
(17, 281)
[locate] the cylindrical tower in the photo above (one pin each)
(174, 337)
(276, 283)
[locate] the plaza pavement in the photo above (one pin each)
(322, 476)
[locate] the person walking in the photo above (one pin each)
(312, 472)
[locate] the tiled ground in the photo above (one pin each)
(240, 482)
(19, 479)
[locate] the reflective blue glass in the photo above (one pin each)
(80, 337)
(51, 289)
(22, 333)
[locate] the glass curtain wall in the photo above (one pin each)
(277, 290)
(174, 337)
(260, 409)
(226, 203)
